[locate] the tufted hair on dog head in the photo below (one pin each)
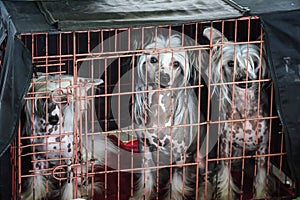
(234, 62)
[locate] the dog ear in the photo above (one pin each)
(86, 84)
(89, 82)
(214, 35)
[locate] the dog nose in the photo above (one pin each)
(164, 79)
(244, 85)
(53, 120)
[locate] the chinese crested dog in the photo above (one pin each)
(166, 116)
(240, 101)
(53, 107)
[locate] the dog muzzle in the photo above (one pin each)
(164, 80)
(244, 85)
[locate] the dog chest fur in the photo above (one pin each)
(160, 135)
(246, 128)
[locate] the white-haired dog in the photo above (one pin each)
(237, 67)
(166, 114)
(53, 108)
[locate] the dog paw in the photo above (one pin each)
(260, 193)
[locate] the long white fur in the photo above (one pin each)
(183, 58)
(247, 59)
(63, 85)
(220, 58)
(184, 106)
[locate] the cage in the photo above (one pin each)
(152, 111)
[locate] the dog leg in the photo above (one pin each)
(202, 194)
(176, 187)
(102, 147)
(225, 184)
(209, 193)
(83, 186)
(87, 188)
(146, 182)
(260, 179)
(185, 188)
(67, 190)
(36, 186)
(36, 189)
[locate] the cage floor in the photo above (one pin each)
(119, 185)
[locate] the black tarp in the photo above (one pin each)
(95, 14)
(15, 77)
(280, 20)
(283, 46)
(116, 13)
(14, 81)
(258, 7)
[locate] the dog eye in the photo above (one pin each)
(153, 60)
(230, 63)
(176, 64)
(255, 63)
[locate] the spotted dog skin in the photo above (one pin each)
(50, 117)
(160, 136)
(166, 120)
(57, 144)
(244, 106)
(250, 134)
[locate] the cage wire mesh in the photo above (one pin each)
(184, 111)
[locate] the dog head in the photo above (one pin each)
(238, 63)
(165, 68)
(53, 103)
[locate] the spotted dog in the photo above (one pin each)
(167, 118)
(54, 104)
(240, 63)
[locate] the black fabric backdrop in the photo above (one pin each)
(16, 71)
(14, 81)
(283, 48)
